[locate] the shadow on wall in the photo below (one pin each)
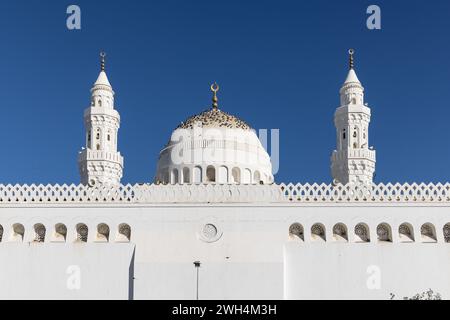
(131, 277)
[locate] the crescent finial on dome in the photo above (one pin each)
(214, 89)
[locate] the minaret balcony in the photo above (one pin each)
(354, 154)
(99, 155)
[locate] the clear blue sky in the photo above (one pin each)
(280, 64)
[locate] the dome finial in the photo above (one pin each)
(351, 63)
(102, 61)
(214, 89)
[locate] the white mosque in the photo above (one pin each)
(215, 225)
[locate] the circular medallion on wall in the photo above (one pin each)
(209, 232)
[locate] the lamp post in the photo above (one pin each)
(197, 266)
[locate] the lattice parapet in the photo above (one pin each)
(373, 193)
(204, 193)
(139, 193)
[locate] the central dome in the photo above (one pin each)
(214, 147)
(213, 118)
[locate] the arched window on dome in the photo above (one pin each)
(384, 232)
(18, 232)
(186, 175)
(340, 232)
(406, 232)
(428, 232)
(197, 175)
(39, 232)
(82, 232)
(247, 177)
(124, 233)
(318, 232)
(223, 175)
(174, 176)
(102, 233)
(60, 233)
(210, 174)
(362, 233)
(236, 175)
(296, 232)
(165, 176)
(256, 177)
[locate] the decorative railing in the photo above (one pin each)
(215, 193)
(374, 193)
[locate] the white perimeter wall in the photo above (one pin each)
(365, 271)
(252, 259)
(60, 271)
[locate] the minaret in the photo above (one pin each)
(100, 162)
(352, 161)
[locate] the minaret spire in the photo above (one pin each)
(214, 89)
(102, 61)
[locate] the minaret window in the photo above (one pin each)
(355, 145)
(354, 134)
(98, 147)
(109, 137)
(343, 134)
(99, 103)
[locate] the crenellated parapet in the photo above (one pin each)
(225, 193)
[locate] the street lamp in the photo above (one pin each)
(197, 266)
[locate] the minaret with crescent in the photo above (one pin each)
(353, 161)
(100, 162)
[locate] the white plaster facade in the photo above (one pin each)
(254, 239)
